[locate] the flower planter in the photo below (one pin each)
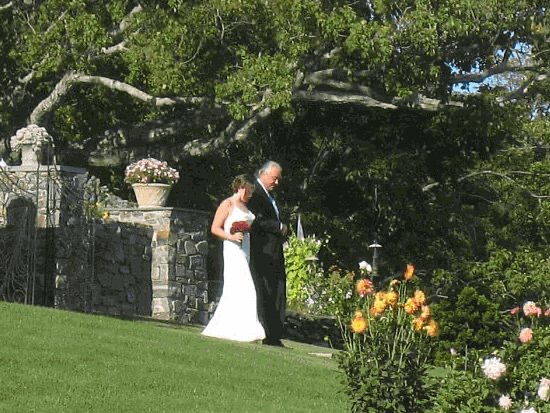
(151, 195)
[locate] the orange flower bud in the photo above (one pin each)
(409, 272)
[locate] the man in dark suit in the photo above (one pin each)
(266, 253)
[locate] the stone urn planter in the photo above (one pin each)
(151, 181)
(151, 195)
(31, 140)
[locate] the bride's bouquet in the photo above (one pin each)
(239, 226)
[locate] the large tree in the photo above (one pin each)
(82, 68)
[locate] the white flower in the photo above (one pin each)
(454, 353)
(493, 368)
(364, 265)
(505, 402)
(529, 410)
(543, 389)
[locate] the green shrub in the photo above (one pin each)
(460, 391)
(522, 369)
(310, 289)
(301, 266)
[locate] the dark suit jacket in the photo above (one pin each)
(267, 263)
(266, 252)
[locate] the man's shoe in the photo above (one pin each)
(275, 343)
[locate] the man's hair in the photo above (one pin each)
(267, 166)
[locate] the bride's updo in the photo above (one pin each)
(243, 181)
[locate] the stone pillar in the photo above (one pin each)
(53, 193)
(179, 251)
(48, 187)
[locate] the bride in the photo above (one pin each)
(236, 316)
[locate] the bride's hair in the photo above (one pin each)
(242, 181)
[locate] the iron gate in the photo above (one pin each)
(18, 241)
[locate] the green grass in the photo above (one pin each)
(59, 361)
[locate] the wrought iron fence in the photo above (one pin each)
(18, 238)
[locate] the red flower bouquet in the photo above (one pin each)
(239, 226)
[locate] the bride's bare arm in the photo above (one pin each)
(217, 224)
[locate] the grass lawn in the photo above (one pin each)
(59, 361)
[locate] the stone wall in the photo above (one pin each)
(179, 251)
(104, 267)
(135, 262)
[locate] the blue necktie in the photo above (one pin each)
(274, 204)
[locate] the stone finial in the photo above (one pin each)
(30, 140)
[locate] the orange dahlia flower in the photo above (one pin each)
(418, 323)
(359, 324)
(411, 306)
(419, 297)
(432, 328)
(377, 308)
(391, 298)
(426, 312)
(364, 287)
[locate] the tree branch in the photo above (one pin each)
(339, 98)
(500, 175)
(332, 86)
(115, 48)
(232, 133)
(65, 85)
(521, 91)
(125, 22)
(495, 70)
(6, 6)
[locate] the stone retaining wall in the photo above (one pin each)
(179, 251)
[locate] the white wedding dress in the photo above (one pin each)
(236, 316)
